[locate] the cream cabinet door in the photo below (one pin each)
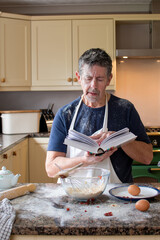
(57, 46)
(88, 34)
(5, 160)
(16, 160)
(14, 53)
(37, 157)
(51, 53)
(20, 160)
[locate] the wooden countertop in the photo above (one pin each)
(37, 214)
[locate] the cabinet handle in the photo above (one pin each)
(3, 80)
(75, 80)
(69, 79)
(5, 156)
(154, 169)
(158, 150)
(14, 153)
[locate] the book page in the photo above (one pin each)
(113, 135)
(81, 141)
(119, 140)
(80, 137)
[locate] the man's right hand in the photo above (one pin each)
(90, 158)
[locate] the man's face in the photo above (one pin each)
(94, 81)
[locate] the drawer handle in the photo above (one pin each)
(14, 153)
(154, 169)
(158, 150)
(3, 80)
(5, 156)
(69, 79)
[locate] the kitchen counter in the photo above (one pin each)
(10, 140)
(38, 214)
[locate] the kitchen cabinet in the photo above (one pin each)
(5, 160)
(57, 46)
(51, 53)
(16, 160)
(138, 36)
(42, 52)
(20, 160)
(95, 33)
(37, 157)
(15, 72)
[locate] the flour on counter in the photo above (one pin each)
(39, 205)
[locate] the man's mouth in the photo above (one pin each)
(93, 93)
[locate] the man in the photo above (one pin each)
(97, 114)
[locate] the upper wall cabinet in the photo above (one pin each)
(138, 37)
(57, 46)
(51, 53)
(98, 33)
(14, 53)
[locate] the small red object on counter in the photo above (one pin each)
(108, 214)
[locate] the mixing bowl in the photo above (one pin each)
(86, 183)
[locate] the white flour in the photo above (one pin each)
(40, 206)
(85, 193)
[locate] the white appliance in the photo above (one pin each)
(20, 121)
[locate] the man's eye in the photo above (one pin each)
(100, 79)
(88, 79)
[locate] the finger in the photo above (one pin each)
(111, 149)
(90, 154)
(97, 136)
(103, 136)
(107, 153)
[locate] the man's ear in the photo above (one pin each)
(78, 77)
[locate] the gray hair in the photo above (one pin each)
(96, 56)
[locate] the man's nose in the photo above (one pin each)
(93, 83)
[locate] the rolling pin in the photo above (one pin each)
(17, 191)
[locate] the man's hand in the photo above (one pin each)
(90, 158)
(101, 136)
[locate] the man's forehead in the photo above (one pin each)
(95, 69)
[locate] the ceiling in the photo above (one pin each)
(68, 2)
(41, 7)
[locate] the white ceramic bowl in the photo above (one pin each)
(86, 183)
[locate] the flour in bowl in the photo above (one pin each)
(86, 193)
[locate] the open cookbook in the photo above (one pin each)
(83, 142)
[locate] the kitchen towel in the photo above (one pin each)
(7, 217)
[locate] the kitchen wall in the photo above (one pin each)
(35, 100)
(137, 80)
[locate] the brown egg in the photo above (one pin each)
(142, 205)
(134, 190)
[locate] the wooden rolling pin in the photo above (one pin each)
(17, 191)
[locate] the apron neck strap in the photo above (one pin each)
(75, 114)
(105, 121)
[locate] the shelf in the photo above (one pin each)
(138, 53)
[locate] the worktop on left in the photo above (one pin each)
(7, 141)
(23, 153)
